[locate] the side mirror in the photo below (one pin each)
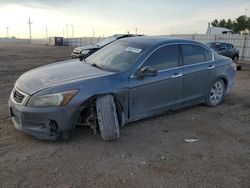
(147, 71)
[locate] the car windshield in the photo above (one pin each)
(214, 46)
(117, 57)
(106, 41)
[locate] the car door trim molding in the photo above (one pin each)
(179, 43)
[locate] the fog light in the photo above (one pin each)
(53, 126)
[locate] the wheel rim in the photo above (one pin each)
(216, 93)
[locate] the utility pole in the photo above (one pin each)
(46, 32)
(72, 30)
(7, 30)
(29, 22)
(67, 33)
(136, 30)
(94, 32)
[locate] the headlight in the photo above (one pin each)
(52, 100)
(85, 52)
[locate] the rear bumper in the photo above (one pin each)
(43, 123)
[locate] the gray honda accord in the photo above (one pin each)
(128, 80)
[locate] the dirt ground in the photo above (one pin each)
(150, 153)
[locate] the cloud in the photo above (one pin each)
(36, 3)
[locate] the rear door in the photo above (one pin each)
(198, 68)
(149, 95)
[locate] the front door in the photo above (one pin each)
(152, 94)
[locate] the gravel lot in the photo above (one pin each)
(150, 153)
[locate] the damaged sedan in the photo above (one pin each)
(130, 79)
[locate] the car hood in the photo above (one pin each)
(90, 47)
(56, 73)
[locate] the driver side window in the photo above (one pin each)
(164, 58)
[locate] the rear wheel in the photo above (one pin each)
(216, 93)
(107, 117)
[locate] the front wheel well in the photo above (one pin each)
(88, 116)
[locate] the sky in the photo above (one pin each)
(107, 17)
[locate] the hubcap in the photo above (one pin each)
(216, 93)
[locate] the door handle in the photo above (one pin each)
(211, 67)
(176, 75)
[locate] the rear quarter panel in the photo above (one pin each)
(225, 70)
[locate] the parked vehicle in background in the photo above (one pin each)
(225, 49)
(217, 30)
(130, 79)
(85, 51)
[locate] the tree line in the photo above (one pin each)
(242, 23)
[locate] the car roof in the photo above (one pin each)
(118, 36)
(158, 40)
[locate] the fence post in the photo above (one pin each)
(243, 47)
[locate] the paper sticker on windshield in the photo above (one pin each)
(135, 50)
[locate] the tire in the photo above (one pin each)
(216, 93)
(107, 117)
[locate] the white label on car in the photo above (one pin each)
(135, 50)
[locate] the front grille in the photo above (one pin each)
(18, 97)
(76, 51)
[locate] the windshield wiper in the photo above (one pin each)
(97, 66)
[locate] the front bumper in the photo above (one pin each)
(75, 55)
(43, 123)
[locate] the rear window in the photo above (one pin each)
(208, 55)
(214, 46)
(192, 54)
